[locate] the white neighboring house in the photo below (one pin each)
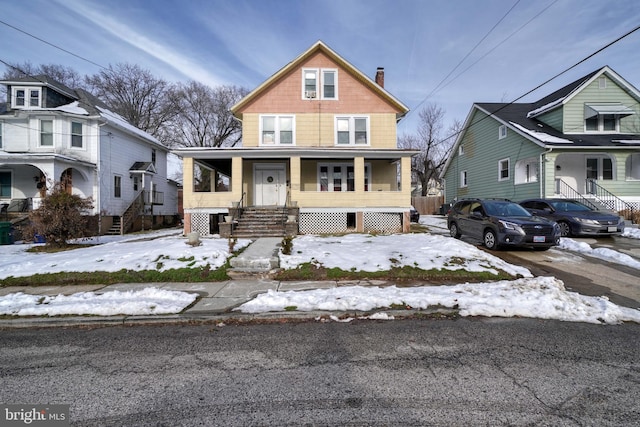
(51, 133)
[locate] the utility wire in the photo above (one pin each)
(466, 56)
(546, 81)
(52, 45)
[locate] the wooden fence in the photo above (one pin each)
(427, 205)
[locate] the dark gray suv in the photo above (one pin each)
(501, 223)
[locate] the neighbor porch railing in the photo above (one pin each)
(611, 201)
(565, 190)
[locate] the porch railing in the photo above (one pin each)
(565, 190)
(611, 201)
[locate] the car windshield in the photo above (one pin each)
(505, 209)
(569, 205)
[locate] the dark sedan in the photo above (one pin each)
(575, 218)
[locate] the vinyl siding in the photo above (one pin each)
(574, 109)
(553, 119)
(482, 152)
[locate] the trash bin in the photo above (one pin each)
(6, 236)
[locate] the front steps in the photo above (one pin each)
(261, 222)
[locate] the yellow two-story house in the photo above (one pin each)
(319, 141)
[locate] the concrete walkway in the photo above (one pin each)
(216, 302)
(260, 257)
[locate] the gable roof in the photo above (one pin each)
(42, 80)
(319, 46)
(566, 93)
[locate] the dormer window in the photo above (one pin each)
(26, 97)
(604, 117)
(319, 83)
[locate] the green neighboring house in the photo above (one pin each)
(581, 142)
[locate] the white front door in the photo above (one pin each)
(271, 186)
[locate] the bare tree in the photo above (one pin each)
(433, 145)
(143, 100)
(204, 118)
(60, 73)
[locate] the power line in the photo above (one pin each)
(52, 45)
(434, 90)
(455, 134)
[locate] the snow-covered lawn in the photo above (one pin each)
(527, 296)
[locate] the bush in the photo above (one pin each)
(59, 217)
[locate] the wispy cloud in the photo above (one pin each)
(159, 49)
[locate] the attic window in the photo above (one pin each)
(602, 83)
(26, 97)
(502, 132)
(319, 83)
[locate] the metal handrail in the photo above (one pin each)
(569, 192)
(610, 200)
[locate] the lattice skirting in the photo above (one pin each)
(200, 223)
(336, 222)
(382, 222)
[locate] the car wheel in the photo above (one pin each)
(453, 230)
(490, 240)
(565, 230)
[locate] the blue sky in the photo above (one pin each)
(418, 42)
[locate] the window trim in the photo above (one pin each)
(42, 133)
(464, 179)
(500, 169)
(600, 124)
(277, 131)
(1, 135)
(72, 135)
(117, 186)
(502, 132)
(352, 130)
(461, 150)
(319, 91)
(26, 99)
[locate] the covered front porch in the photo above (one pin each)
(607, 180)
(332, 191)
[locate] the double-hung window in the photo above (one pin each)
(352, 130)
(0, 135)
(503, 169)
(277, 130)
(319, 83)
(76, 135)
(117, 186)
(26, 97)
(46, 133)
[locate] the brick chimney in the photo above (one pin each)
(380, 77)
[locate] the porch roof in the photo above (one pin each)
(280, 152)
(22, 158)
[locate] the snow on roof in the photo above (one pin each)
(73, 108)
(541, 136)
(544, 108)
(120, 121)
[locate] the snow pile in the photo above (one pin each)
(602, 253)
(363, 252)
(632, 233)
(540, 297)
(147, 301)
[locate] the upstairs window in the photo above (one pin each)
(319, 83)
(117, 186)
(76, 135)
(46, 133)
(153, 156)
(277, 130)
(26, 97)
(352, 130)
(502, 132)
(0, 135)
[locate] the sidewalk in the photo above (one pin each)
(216, 302)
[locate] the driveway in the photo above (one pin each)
(585, 274)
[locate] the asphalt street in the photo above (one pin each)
(471, 372)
